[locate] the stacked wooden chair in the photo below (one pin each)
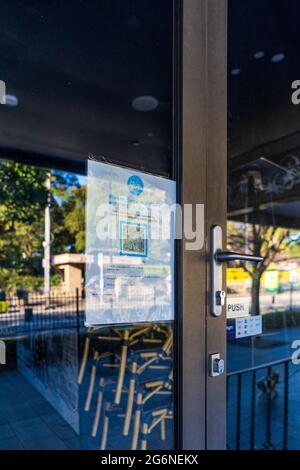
(131, 380)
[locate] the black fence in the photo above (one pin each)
(263, 406)
(39, 313)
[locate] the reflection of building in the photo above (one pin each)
(72, 266)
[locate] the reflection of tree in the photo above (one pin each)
(258, 240)
(23, 198)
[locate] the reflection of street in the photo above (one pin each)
(12, 324)
(249, 356)
(273, 302)
(264, 422)
(281, 301)
(271, 346)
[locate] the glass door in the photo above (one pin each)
(263, 219)
(105, 333)
(86, 331)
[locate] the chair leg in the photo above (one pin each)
(144, 437)
(137, 420)
(122, 368)
(91, 386)
(98, 408)
(130, 401)
(163, 429)
(105, 428)
(84, 360)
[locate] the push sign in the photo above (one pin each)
(237, 307)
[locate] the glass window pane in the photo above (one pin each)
(94, 79)
(263, 219)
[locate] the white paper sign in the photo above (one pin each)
(250, 326)
(237, 307)
(130, 246)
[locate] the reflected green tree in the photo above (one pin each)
(257, 240)
(23, 198)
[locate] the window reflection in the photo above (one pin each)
(103, 387)
(95, 78)
(263, 219)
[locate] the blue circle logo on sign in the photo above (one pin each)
(135, 185)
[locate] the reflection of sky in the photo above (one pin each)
(82, 180)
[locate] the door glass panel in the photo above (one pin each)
(92, 80)
(263, 300)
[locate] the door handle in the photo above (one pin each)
(226, 256)
(217, 257)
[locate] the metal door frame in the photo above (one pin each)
(202, 171)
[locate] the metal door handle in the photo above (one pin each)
(226, 256)
(217, 257)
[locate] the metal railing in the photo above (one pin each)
(39, 313)
(258, 404)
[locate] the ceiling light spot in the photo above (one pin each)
(11, 100)
(259, 55)
(145, 103)
(136, 143)
(235, 72)
(278, 57)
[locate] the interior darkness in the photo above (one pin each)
(260, 107)
(263, 123)
(75, 68)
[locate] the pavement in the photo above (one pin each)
(40, 400)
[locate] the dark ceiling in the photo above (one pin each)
(75, 67)
(263, 123)
(259, 95)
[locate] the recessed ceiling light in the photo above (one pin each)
(136, 143)
(235, 72)
(145, 103)
(278, 57)
(259, 55)
(11, 100)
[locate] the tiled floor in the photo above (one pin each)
(28, 421)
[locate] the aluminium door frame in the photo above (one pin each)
(202, 52)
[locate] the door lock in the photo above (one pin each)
(216, 365)
(220, 297)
